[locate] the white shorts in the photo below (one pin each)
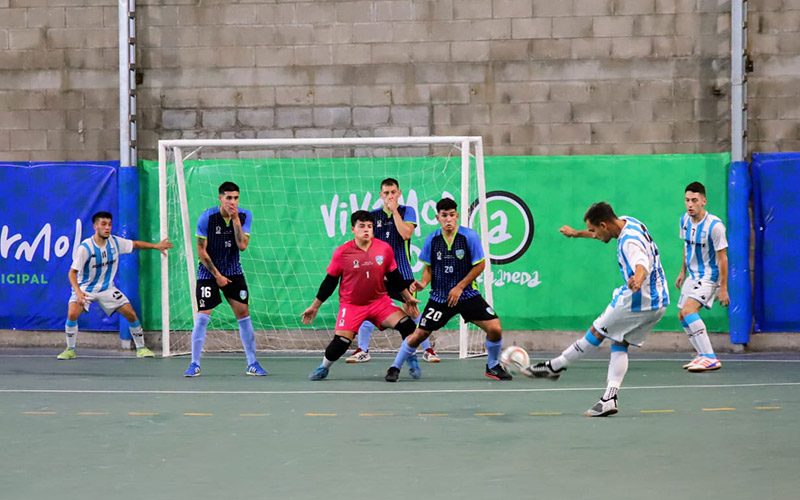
(619, 323)
(703, 291)
(109, 300)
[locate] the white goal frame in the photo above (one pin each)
(466, 144)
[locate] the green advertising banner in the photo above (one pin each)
(541, 280)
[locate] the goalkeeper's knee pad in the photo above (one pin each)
(338, 346)
(405, 326)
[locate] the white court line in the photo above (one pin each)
(389, 356)
(423, 391)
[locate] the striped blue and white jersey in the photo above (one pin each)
(386, 230)
(635, 247)
(97, 265)
(702, 241)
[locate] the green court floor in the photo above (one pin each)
(118, 428)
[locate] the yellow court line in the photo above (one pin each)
(198, 414)
(658, 411)
(495, 414)
(322, 414)
(254, 414)
(719, 409)
(142, 413)
(432, 414)
(92, 413)
(768, 407)
(38, 413)
(376, 414)
(543, 413)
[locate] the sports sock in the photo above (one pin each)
(364, 334)
(425, 344)
(617, 368)
(692, 339)
(336, 348)
(493, 352)
(71, 328)
(403, 354)
(137, 333)
(584, 345)
(248, 336)
(699, 333)
(199, 336)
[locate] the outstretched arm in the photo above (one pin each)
(325, 290)
(574, 233)
(162, 246)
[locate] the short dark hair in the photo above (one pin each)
(101, 215)
(599, 212)
(228, 186)
(696, 187)
(390, 182)
(446, 204)
(360, 216)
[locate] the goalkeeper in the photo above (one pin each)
(361, 265)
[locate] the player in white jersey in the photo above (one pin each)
(635, 307)
(705, 256)
(94, 266)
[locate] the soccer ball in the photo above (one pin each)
(514, 358)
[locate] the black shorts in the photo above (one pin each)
(436, 314)
(398, 294)
(208, 297)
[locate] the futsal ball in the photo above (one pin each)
(514, 358)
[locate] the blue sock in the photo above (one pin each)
(248, 336)
(403, 354)
(199, 336)
(364, 334)
(426, 344)
(493, 350)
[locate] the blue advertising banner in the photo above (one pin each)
(46, 212)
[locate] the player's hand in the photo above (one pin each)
(568, 232)
(680, 280)
(724, 298)
(454, 295)
(222, 280)
(390, 205)
(411, 309)
(81, 296)
(634, 285)
(163, 245)
(416, 286)
(233, 213)
(309, 315)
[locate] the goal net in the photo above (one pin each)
(301, 193)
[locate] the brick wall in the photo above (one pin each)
(530, 76)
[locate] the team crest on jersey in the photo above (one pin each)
(355, 264)
(219, 230)
(242, 294)
(438, 255)
(460, 253)
(380, 223)
(379, 259)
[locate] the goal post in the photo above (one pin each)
(286, 184)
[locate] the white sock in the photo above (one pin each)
(617, 368)
(700, 335)
(326, 362)
(689, 335)
(584, 345)
(71, 328)
(137, 333)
